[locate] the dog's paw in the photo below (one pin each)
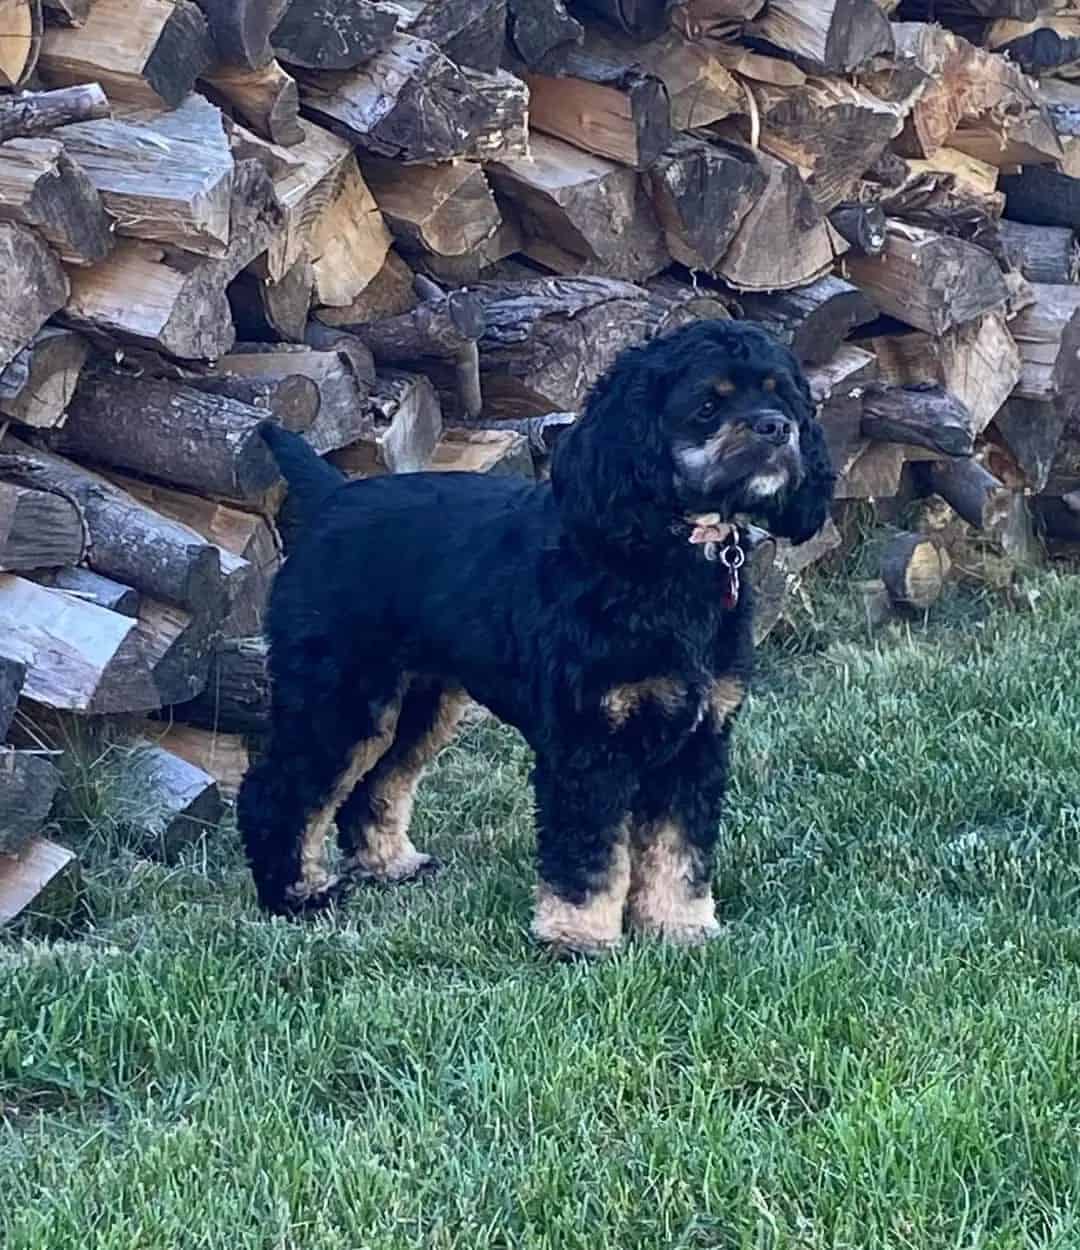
(411, 865)
(679, 934)
(567, 931)
(309, 899)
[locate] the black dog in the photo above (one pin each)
(603, 616)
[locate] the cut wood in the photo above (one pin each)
(440, 327)
(389, 294)
(447, 210)
(929, 281)
(483, 451)
(875, 473)
(813, 320)
(33, 286)
(166, 177)
(42, 881)
(974, 101)
(91, 586)
(39, 529)
(348, 240)
(145, 52)
(324, 338)
(1031, 431)
(408, 420)
(241, 29)
(784, 240)
(913, 570)
(28, 786)
(42, 187)
(39, 112)
(67, 12)
(1041, 253)
(411, 103)
(971, 491)
(922, 415)
(471, 32)
(78, 657)
(128, 541)
(182, 801)
(702, 191)
(979, 363)
(641, 18)
(237, 695)
(1039, 331)
(830, 129)
(839, 388)
(171, 432)
(541, 31)
(289, 398)
(37, 386)
(176, 647)
(609, 107)
(265, 310)
(333, 34)
(837, 36)
(12, 677)
(266, 99)
(223, 756)
(581, 214)
(20, 40)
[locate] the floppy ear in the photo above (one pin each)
(800, 513)
(614, 462)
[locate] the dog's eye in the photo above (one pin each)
(707, 410)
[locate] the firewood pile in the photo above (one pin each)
(416, 231)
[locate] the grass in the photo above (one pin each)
(883, 1051)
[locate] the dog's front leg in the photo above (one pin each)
(583, 852)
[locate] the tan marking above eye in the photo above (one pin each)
(769, 384)
(724, 386)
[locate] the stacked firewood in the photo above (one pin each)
(416, 231)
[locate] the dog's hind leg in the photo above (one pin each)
(373, 823)
(584, 860)
(318, 751)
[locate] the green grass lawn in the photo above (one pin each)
(883, 1050)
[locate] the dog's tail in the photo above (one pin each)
(311, 479)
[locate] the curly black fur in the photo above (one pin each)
(578, 612)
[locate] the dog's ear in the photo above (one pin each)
(799, 514)
(613, 463)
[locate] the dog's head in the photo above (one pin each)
(716, 418)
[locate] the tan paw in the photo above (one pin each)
(408, 866)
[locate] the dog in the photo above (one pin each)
(605, 614)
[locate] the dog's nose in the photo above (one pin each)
(773, 426)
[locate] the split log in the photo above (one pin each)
(641, 18)
(389, 294)
(78, 657)
(979, 363)
(183, 801)
(471, 33)
(437, 328)
(176, 647)
(1040, 196)
(333, 34)
(266, 99)
(914, 571)
(324, 338)
(481, 261)
(128, 541)
(12, 677)
(832, 130)
(348, 241)
(1031, 431)
(43, 883)
(922, 415)
(1041, 253)
(223, 756)
(702, 191)
(39, 529)
(813, 320)
(166, 177)
(447, 210)
(875, 473)
(170, 432)
(33, 286)
(237, 695)
(837, 36)
(28, 786)
(542, 31)
(67, 12)
(91, 586)
(247, 545)
(39, 112)
(610, 108)
(144, 52)
(20, 41)
(1039, 331)
(714, 19)
(483, 451)
(929, 281)
(290, 399)
(411, 103)
(36, 388)
(42, 187)
(783, 241)
(240, 29)
(839, 388)
(267, 311)
(581, 214)
(408, 421)
(974, 101)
